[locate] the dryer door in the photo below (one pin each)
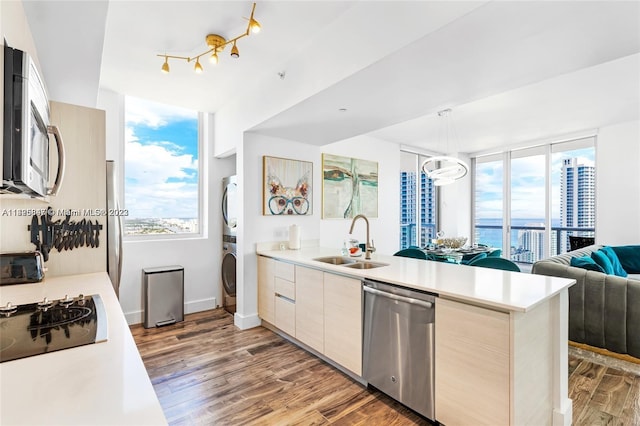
(229, 205)
(229, 273)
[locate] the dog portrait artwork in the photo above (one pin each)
(287, 186)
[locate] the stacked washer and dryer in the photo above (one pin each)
(229, 227)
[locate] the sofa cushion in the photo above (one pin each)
(629, 257)
(585, 262)
(617, 267)
(602, 260)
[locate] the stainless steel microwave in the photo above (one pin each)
(25, 161)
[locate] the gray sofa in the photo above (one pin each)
(604, 310)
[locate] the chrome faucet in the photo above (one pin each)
(368, 246)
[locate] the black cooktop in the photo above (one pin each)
(47, 326)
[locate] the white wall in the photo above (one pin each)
(253, 227)
(384, 230)
(455, 206)
(618, 184)
(200, 257)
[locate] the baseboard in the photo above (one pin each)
(200, 305)
(137, 317)
(245, 322)
(563, 416)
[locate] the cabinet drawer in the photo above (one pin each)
(286, 288)
(285, 271)
(286, 315)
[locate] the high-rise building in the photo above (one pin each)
(409, 231)
(577, 197)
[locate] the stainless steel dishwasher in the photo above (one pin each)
(398, 348)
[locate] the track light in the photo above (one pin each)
(214, 58)
(254, 25)
(216, 43)
(198, 67)
(234, 51)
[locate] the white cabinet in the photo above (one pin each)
(343, 321)
(310, 307)
(472, 365)
(320, 309)
(493, 368)
(285, 297)
(266, 289)
(277, 294)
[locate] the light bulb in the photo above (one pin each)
(255, 26)
(198, 67)
(214, 58)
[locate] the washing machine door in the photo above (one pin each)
(229, 273)
(229, 205)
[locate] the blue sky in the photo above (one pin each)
(527, 185)
(161, 160)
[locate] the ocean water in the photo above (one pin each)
(493, 237)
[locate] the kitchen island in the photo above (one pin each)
(101, 383)
(500, 337)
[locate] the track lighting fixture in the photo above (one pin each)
(234, 51)
(198, 67)
(216, 43)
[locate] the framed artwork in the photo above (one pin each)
(287, 186)
(349, 187)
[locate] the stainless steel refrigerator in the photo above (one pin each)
(114, 228)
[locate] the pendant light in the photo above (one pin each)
(445, 169)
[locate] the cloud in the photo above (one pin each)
(161, 179)
(153, 114)
(160, 182)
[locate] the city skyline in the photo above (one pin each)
(526, 245)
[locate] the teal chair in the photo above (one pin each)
(495, 253)
(412, 252)
(496, 263)
(472, 258)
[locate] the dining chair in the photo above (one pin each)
(496, 263)
(472, 258)
(495, 253)
(412, 252)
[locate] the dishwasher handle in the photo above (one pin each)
(392, 296)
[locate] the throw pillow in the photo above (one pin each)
(602, 260)
(587, 263)
(617, 267)
(629, 257)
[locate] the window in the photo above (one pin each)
(573, 208)
(528, 205)
(488, 201)
(551, 196)
(161, 188)
(418, 203)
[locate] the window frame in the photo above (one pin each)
(548, 148)
(419, 158)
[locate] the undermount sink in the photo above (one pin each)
(335, 260)
(349, 263)
(365, 265)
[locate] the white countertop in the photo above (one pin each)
(99, 384)
(511, 291)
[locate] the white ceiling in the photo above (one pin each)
(510, 71)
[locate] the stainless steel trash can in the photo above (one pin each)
(163, 292)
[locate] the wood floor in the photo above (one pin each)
(206, 371)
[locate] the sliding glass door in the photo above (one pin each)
(545, 195)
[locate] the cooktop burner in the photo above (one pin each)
(47, 326)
